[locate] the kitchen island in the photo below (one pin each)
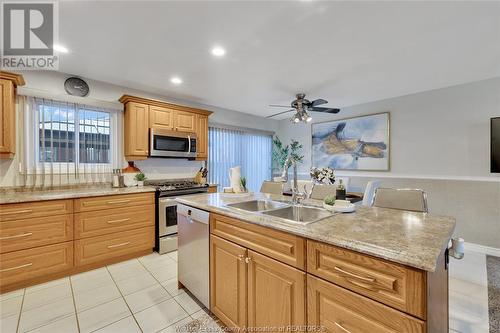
(375, 270)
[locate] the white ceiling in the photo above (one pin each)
(345, 52)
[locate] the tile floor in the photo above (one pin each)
(138, 295)
(141, 295)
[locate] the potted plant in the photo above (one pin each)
(140, 177)
(329, 202)
(243, 184)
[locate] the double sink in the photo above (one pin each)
(292, 213)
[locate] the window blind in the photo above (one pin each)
(229, 147)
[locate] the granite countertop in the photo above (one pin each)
(409, 238)
(27, 195)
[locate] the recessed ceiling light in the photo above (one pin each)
(60, 48)
(218, 51)
(176, 80)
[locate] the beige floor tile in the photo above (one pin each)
(46, 314)
(102, 315)
(10, 306)
(46, 295)
(91, 280)
(91, 298)
(173, 255)
(50, 284)
(66, 325)
(152, 263)
(188, 303)
(125, 325)
(9, 324)
(160, 316)
(126, 269)
(136, 283)
(164, 273)
(172, 287)
(174, 328)
(145, 298)
(11, 294)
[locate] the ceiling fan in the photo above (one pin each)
(302, 107)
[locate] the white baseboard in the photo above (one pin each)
(491, 251)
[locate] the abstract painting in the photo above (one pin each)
(360, 143)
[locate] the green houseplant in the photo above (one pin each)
(281, 153)
(140, 177)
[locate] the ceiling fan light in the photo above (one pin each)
(308, 118)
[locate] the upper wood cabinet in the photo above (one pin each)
(144, 114)
(161, 117)
(8, 83)
(202, 135)
(136, 128)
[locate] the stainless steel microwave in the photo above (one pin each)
(166, 143)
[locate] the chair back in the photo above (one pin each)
(370, 189)
(272, 187)
(304, 185)
(403, 199)
(320, 191)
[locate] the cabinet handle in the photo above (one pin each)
(338, 269)
(118, 202)
(17, 267)
(342, 328)
(118, 245)
(118, 221)
(17, 212)
(17, 236)
(241, 257)
(247, 260)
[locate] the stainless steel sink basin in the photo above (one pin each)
(300, 214)
(258, 205)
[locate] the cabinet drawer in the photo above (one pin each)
(281, 246)
(102, 248)
(24, 265)
(25, 234)
(113, 201)
(27, 210)
(97, 223)
(339, 310)
(396, 285)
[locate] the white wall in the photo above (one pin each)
(45, 83)
(440, 142)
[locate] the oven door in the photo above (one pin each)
(164, 143)
(167, 217)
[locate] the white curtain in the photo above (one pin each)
(64, 143)
(230, 147)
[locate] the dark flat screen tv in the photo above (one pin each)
(495, 145)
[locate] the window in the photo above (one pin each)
(233, 147)
(69, 138)
(67, 134)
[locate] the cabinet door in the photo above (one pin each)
(202, 135)
(7, 119)
(338, 310)
(161, 117)
(136, 131)
(228, 282)
(185, 121)
(276, 294)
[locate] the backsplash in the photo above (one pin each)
(169, 168)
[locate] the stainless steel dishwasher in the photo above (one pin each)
(193, 251)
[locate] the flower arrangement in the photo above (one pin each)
(322, 175)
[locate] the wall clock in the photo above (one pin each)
(76, 87)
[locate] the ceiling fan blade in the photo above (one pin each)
(317, 102)
(279, 106)
(277, 114)
(326, 110)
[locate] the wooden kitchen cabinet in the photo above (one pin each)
(160, 117)
(8, 83)
(185, 121)
(276, 294)
(202, 135)
(228, 282)
(136, 128)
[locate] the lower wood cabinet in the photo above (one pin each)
(338, 310)
(40, 262)
(252, 290)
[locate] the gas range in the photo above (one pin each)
(174, 187)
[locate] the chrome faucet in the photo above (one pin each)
(297, 196)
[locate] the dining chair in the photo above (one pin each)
(370, 189)
(272, 187)
(404, 199)
(320, 191)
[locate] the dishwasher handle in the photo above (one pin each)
(193, 214)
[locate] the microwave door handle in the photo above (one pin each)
(189, 145)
